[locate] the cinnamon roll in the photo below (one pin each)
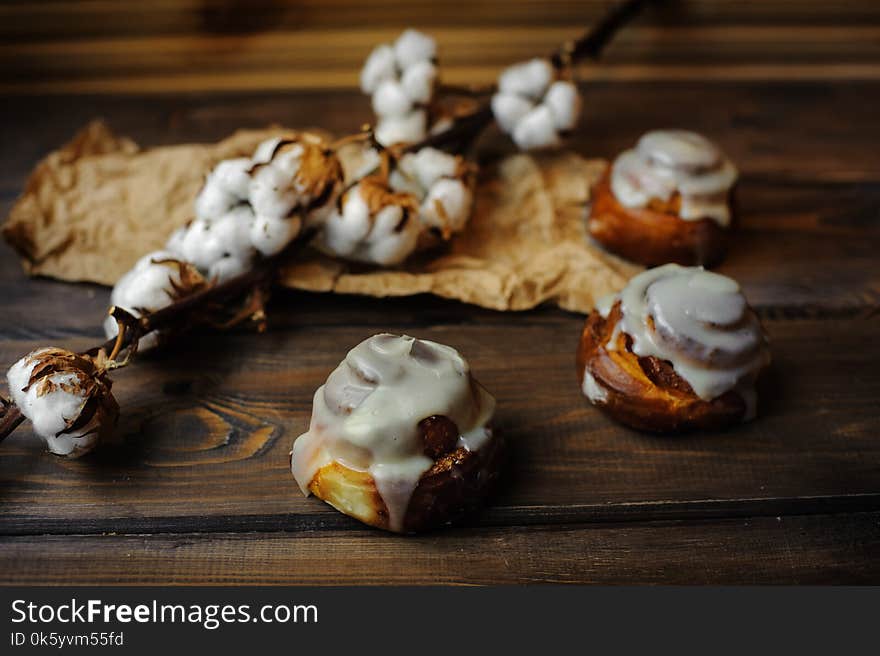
(669, 199)
(400, 436)
(679, 348)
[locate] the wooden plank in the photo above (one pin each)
(207, 427)
(331, 59)
(202, 465)
(346, 49)
(25, 20)
(803, 550)
(94, 46)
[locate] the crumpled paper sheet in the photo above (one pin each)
(92, 208)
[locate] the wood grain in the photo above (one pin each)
(198, 491)
(207, 427)
(822, 549)
(184, 45)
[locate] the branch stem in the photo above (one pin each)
(10, 419)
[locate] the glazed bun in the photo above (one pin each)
(669, 199)
(679, 348)
(399, 436)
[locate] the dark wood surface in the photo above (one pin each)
(197, 489)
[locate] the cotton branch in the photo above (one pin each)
(203, 306)
(190, 310)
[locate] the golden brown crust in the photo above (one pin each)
(655, 234)
(455, 485)
(646, 393)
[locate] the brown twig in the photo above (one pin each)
(10, 418)
(591, 44)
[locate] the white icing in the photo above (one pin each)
(475, 439)
(366, 415)
(700, 322)
(604, 305)
(666, 162)
(592, 389)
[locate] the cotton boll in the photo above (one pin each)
(269, 235)
(303, 178)
(564, 102)
(232, 232)
(384, 237)
(153, 283)
(391, 242)
(263, 152)
(201, 245)
(213, 200)
(413, 46)
(233, 175)
(404, 129)
(271, 194)
(509, 109)
(20, 373)
(50, 413)
(228, 267)
(407, 166)
(431, 164)
(455, 200)
(418, 81)
(76, 444)
(150, 259)
(536, 130)
(399, 180)
(66, 397)
(528, 79)
(175, 241)
(149, 286)
(318, 216)
(287, 159)
(344, 230)
(390, 100)
(380, 65)
(358, 161)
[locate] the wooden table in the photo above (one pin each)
(198, 489)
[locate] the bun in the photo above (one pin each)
(400, 436)
(667, 200)
(678, 349)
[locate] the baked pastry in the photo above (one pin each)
(669, 199)
(679, 348)
(399, 436)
